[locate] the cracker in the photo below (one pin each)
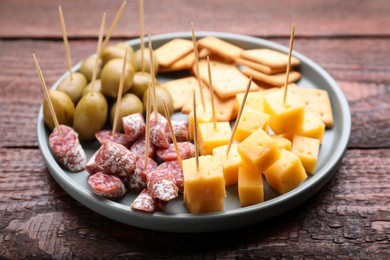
(227, 79)
(188, 105)
(172, 51)
(184, 63)
(271, 58)
(220, 47)
(316, 101)
(180, 90)
(258, 66)
(277, 80)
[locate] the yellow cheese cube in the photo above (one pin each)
(254, 100)
(230, 163)
(210, 137)
(206, 184)
(312, 127)
(282, 142)
(307, 150)
(250, 186)
(202, 116)
(259, 150)
(204, 206)
(286, 173)
(284, 117)
(250, 121)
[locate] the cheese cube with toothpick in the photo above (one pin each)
(211, 136)
(230, 163)
(250, 121)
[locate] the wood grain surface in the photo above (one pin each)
(349, 218)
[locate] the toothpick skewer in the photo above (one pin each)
(147, 127)
(167, 116)
(239, 115)
(289, 62)
(65, 37)
(119, 97)
(98, 51)
(113, 25)
(212, 93)
(197, 66)
(196, 134)
(142, 33)
(152, 78)
(51, 108)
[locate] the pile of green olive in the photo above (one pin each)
(87, 111)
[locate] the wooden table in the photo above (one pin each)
(348, 218)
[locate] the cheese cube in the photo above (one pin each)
(284, 117)
(230, 163)
(286, 173)
(202, 116)
(307, 150)
(250, 186)
(206, 184)
(250, 121)
(282, 142)
(259, 150)
(210, 137)
(204, 206)
(312, 127)
(254, 100)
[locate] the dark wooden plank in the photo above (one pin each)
(348, 218)
(38, 19)
(357, 65)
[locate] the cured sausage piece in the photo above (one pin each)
(144, 202)
(106, 185)
(159, 131)
(186, 149)
(134, 126)
(137, 180)
(180, 129)
(68, 149)
(106, 135)
(138, 148)
(174, 167)
(162, 184)
(114, 159)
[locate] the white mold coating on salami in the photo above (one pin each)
(134, 126)
(159, 131)
(163, 189)
(106, 135)
(75, 159)
(144, 202)
(106, 185)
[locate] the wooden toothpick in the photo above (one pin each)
(142, 33)
(51, 108)
(239, 114)
(113, 25)
(196, 134)
(212, 93)
(98, 52)
(152, 78)
(168, 117)
(289, 62)
(147, 127)
(65, 37)
(197, 66)
(119, 97)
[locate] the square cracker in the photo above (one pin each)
(258, 66)
(271, 58)
(316, 101)
(184, 63)
(226, 78)
(277, 80)
(220, 47)
(180, 90)
(172, 51)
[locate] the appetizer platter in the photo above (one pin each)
(176, 217)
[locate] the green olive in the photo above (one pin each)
(73, 87)
(146, 60)
(141, 83)
(88, 65)
(111, 75)
(97, 88)
(118, 51)
(63, 107)
(162, 94)
(90, 115)
(130, 104)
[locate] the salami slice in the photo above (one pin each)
(174, 167)
(159, 131)
(138, 148)
(186, 149)
(137, 180)
(106, 185)
(162, 184)
(180, 129)
(134, 126)
(113, 159)
(144, 202)
(106, 135)
(68, 149)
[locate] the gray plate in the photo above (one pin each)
(176, 218)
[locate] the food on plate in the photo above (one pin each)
(250, 121)
(117, 51)
(141, 83)
(180, 90)
(136, 182)
(187, 150)
(230, 163)
(172, 51)
(134, 126)
(159, 130)
(111, 74)
(97, 87)
(130, 104)
(146, 60)
(73, 87)
(63, 107)
(211, 136)
(162, 94)
(87, 67)
(282, 142)
(107, 135)
(307, 150)
(105, 185)
(220, 47)
(312, 127)
(273, 59)
(250, 186)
